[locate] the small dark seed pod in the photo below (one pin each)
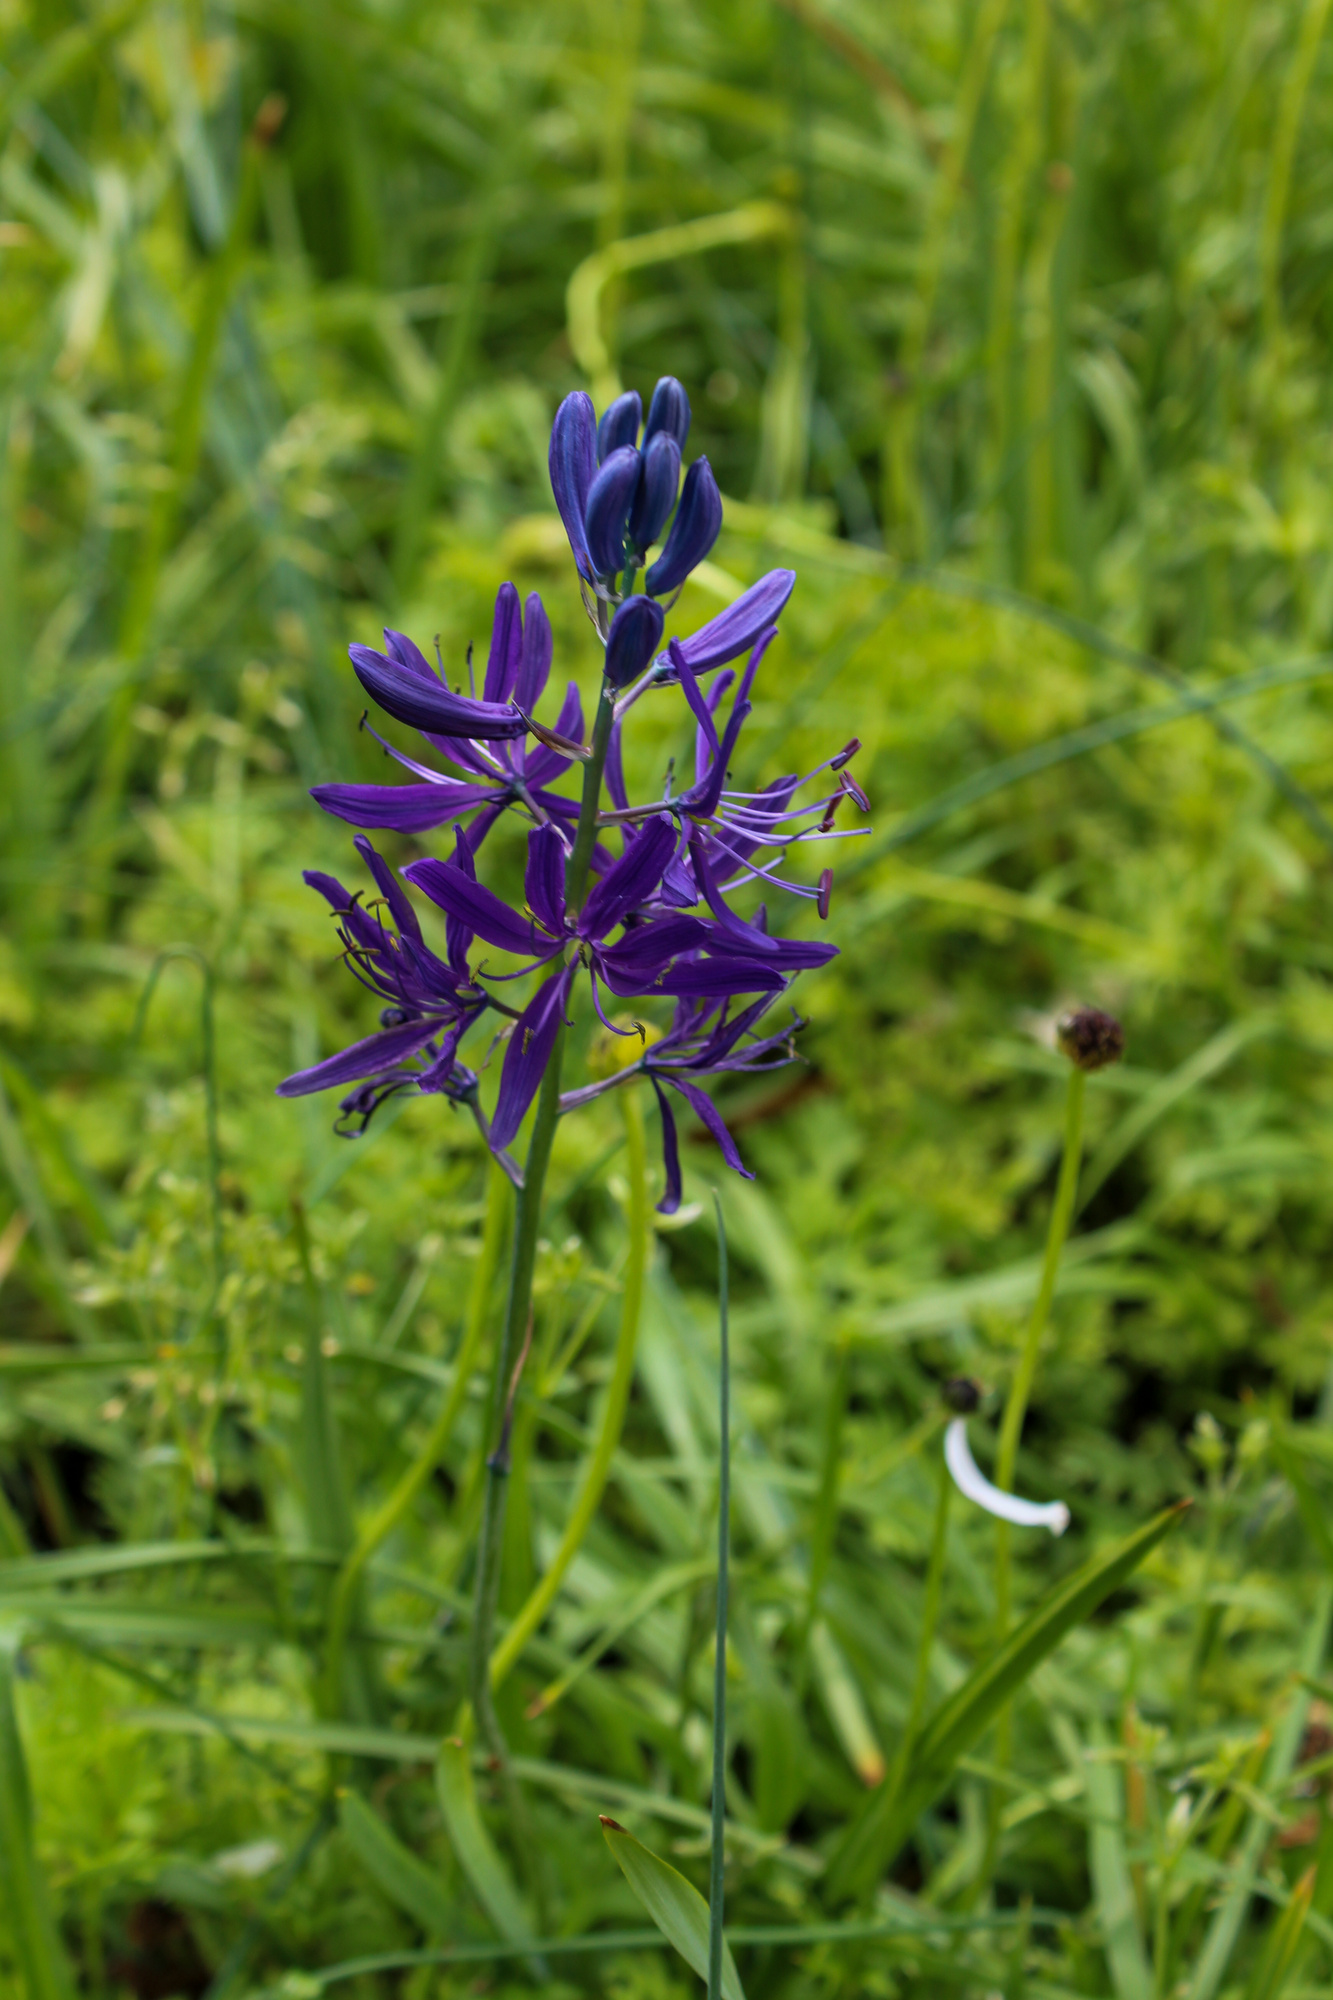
(1091, 1039)
(963, 1395)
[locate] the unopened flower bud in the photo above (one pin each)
(619, 425)
(697, 525)
(635, 635)
(609, 499)
(1091, 1039)
(669, 410)
(657, 490)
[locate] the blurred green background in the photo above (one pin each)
(1007, 324)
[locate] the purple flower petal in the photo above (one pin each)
(400, 808)
(717, 978)
(631, 880)
(404, 916)
(697, 525)
(327, 886)
(506, 652)
(670, 1201)
(657, 491)
(619, 425)
(712, 1118)
(406, 653)
(473, 904)
(734, 630)
(651, 945)
(535, 664)
(573, 464)
(615, 771)
(430, 705)
(636, 633)
(458, 934)
(365, 1058)
(544, 883)
(528, 1053)
(607, 511)
(669, 410)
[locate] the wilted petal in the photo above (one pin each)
(473, 904)
(636, 633)
(669, 410)
(973, 1483)
(527, 1055)
(697, 525)
(735, 630)
(506, 645)
(428, 704)
(619, 424)
(365, 1058)
(657, 490)
(573, 463)
(607, 511)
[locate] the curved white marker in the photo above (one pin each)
(972, 1481)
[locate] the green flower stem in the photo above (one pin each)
(527, 1223)
(718, 1857)
(598, 1467)
(386, 1517)
(1021, 1387)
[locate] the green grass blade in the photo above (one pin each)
(33, 1933)
(394, 1868)
(477, 1855)
(1112, 1885)
(1278, 1955)
(877, 1834)
(675, 1905)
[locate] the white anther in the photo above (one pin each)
(973, 1483)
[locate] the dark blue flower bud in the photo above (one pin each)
(668, 411)
(573, 463)
(635, 635)
(696, 527)
(620, 424)
(609, 499)
(657, 490)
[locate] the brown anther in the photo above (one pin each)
(825, 892)
(1091, 1039)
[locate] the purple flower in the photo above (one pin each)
(636, 633)
(701, 1041)
(606, 515)
(736, 629)
(573, 465)
(619, 425)
(500, 774)
(405, 685)
(668, 411)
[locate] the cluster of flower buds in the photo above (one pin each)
(649, 922)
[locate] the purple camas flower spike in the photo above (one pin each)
(735, 630)
(619, 424)
(635, 635)
(657, 491)
(697, 525)
(609, 500)
(573, 465)
(669, 410)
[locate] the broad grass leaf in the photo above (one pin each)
(394, 1868)
(875, 1837)
(477, 1855)
(33, 1935)
(675, 1905)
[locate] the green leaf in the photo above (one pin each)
(1278, 1956)
(33, 1934)
(675, 1905)
(394, 1868)
(876, 1835)
(477, 1855)
(1112, 1885)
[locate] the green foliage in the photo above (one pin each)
(1013, 338)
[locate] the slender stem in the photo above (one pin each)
(386, 1517)
(598, 1466)
(1021, 1387)
(527, 1222)
(717, 1863)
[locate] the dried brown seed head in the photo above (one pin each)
(1091, 1039)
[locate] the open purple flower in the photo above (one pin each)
(704, 1039)
(500, 772)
